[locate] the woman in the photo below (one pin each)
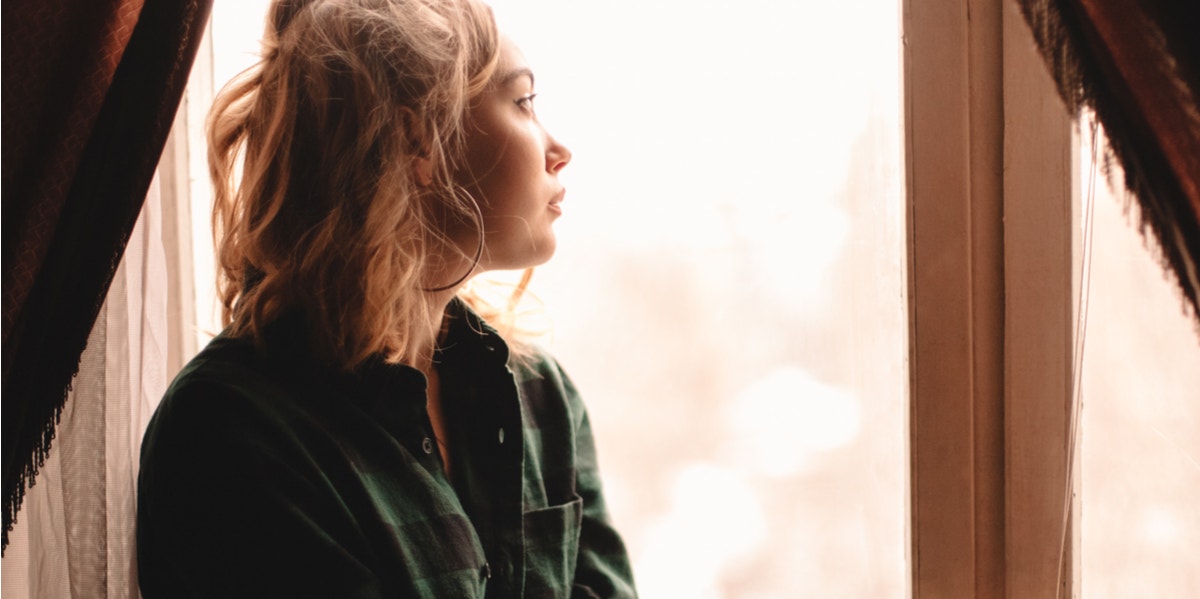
(357, 430)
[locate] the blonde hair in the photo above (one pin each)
(314, 154)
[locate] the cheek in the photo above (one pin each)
(512, 178)
(486, 157)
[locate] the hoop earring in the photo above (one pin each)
(478, 253)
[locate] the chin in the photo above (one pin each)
(541, 254)
(528, 257)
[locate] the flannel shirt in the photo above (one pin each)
(264, 474)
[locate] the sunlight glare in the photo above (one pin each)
(715, 517)
(782, 422)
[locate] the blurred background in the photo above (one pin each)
(1141, 411)
(729, 295)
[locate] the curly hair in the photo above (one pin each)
(320, 156)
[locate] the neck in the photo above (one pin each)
(447, 277)
(428, 344)
(427, 347)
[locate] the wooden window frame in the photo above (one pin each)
(990, 165)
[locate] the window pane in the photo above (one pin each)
(1141, 411)
(728, 291)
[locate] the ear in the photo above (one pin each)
(418, 142)
(423, 169)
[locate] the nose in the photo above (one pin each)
(557, 155)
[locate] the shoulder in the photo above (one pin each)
(234, 419)
(536, 363)
(228, 373)
(229, 396)
(538, 367)
(546, 388)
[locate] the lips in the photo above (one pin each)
(556, 200)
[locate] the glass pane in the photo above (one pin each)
(1141, 394)
(728, 291)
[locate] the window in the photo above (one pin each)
(1140, 518)
(729, 289)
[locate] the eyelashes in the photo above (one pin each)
(526, 102)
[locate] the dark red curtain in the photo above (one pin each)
(90, 88)
(1136, 64)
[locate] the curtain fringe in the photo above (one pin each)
(1060, 29)
(27, 475)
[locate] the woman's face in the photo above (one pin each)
(512, 169)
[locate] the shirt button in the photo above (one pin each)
(501, 435)
(487, 570)
(427, 446)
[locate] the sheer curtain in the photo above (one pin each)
(74, 537)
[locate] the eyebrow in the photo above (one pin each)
(515, 74)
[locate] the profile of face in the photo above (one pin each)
(512, 165)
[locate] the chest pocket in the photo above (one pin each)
(551, 548)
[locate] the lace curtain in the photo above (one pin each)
(75, 534)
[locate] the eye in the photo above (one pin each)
(526, 102)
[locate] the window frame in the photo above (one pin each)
(992, 199)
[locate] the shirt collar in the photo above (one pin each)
(374, 384)
(469, 337)
(469, 340)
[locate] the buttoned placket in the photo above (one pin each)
(507, 484)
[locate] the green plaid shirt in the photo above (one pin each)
(264, 474)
